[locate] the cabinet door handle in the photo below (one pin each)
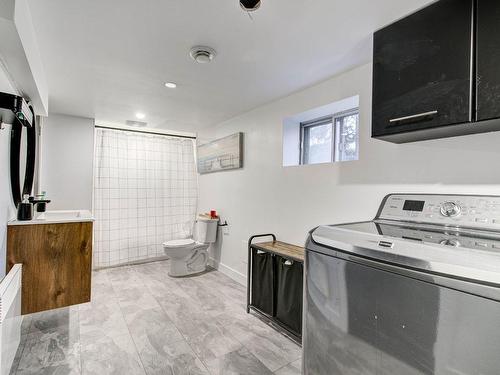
(288, 263)
(413, 117)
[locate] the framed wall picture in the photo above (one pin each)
(221, 154)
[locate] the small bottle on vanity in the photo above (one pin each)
(25, 209)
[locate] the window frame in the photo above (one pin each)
(336, 129)
(311, 124)
(320, 121)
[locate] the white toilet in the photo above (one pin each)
(190, 256)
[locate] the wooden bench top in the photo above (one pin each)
(282, 248)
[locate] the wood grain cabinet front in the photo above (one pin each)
(57, 263)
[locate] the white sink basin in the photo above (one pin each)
(53, 217)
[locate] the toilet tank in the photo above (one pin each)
(206, 230)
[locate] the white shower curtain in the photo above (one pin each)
(145, 193)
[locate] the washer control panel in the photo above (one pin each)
(442, 238)
(452, 210)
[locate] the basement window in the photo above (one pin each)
(329, 139)
(317, 141)
(313, 137)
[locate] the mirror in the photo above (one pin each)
(23, 152)
(22, 159)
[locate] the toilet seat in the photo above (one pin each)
(184, 243)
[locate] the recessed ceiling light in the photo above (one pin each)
(140, 115)
(171, 85)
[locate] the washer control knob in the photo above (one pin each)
(450, 209)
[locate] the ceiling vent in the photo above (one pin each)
(138, 124)
(201, 54)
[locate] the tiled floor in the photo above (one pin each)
(141, 321)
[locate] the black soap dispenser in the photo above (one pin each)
(25, 209)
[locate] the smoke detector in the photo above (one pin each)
(250, 5)
(202, 54)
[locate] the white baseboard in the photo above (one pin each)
(228, 271)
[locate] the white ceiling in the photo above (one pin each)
(109, 59)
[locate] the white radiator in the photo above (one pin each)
(10, 317)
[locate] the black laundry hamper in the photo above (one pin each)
(288, 291)
(262, 281)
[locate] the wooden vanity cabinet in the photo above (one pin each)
(57, 263)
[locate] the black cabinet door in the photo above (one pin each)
(289, 280)
(422, 69)
(488, 59)
(262, 288)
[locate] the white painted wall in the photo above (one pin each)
(7, 209)
(289, 201)
(67, 156)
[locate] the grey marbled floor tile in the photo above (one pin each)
(294, 368)
(118, 365)
(165, 290)
(105, 347)
(211, 300)
(100, 297)
(18, 355)
(100, 277)
(49, 321)
(182, 309)
(159, 269)
(123, 277)
(64, 369)
(72, 332)
(268, 345)
(156, 288)
(52, 349)
(26, 324)
(136, 296)
(209, 340)
(236, 363)
(273, 352)
(160, 355)
(144, 323)
(140, 316)
(228, 288)
(101, 292)
(99, 321)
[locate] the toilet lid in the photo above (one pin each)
(180, 243)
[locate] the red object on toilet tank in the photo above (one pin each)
(213, 214)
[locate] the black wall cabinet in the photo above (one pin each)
(422, 70)
(488, 59)
(435, 72)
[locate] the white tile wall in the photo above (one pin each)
(145, 193)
